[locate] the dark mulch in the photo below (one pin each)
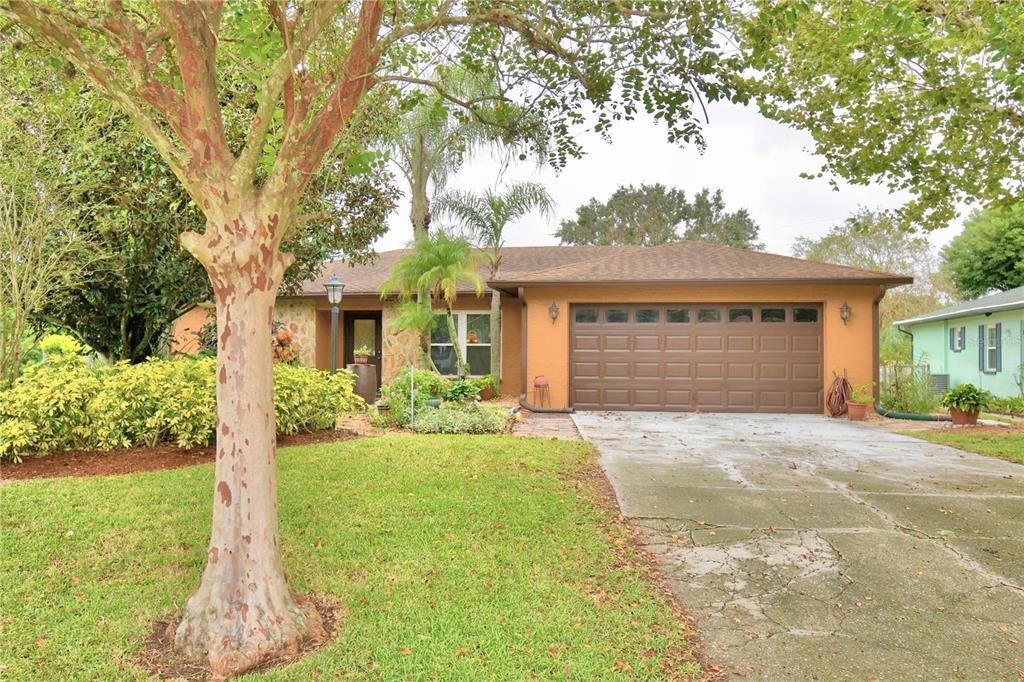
(162, 660)
(134, 460)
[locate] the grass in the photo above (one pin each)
(453, 557)
(1008, 446)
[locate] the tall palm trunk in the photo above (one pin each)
(420, 209)
(453, 334)
(496, 338)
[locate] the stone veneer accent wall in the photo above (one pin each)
(300, 317)
(398, 347)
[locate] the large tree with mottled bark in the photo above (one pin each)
(316, 65)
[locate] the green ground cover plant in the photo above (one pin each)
(1005, 444)
(460, 417)
(450, 557)
(64, 404)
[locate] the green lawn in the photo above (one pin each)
(453, 557)
(1009, 446)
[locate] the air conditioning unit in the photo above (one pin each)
(941, 383)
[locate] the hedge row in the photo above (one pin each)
(63, 404)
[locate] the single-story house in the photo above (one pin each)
(976, 342)
(685, 326)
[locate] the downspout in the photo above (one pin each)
(522, 367)
(892, 414)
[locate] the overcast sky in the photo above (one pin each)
(756, 162)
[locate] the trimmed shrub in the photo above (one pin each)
(909, 390)
(62, 404)
(455, 417)
(395, 396)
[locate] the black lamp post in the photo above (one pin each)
(335, 289)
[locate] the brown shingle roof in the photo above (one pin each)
(696, 262)
(682, 262)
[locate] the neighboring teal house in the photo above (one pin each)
(977, 342)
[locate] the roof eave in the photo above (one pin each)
(676, 282)
(970, 312)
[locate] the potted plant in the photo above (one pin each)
(362, 355)
(965, 402)
(488, 387)
(863, 396)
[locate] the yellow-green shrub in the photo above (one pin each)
(62, 404)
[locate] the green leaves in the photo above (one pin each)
(923, 97)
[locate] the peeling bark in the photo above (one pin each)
(244, 611)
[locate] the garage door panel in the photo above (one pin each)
(740, 370)
(616, 342)
(646, 342)
(709, 343)
(673, 362)
(773, 343)
(740, 343)
(678, 342)
(810, 344)
(643, 370)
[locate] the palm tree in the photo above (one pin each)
(433, 140)
(484, 218)
(433, 271)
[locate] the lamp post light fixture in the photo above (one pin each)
(553, 309)
(844, 312)
(335, 289)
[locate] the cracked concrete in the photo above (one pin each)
(818, 549)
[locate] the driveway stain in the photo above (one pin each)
(817, 549)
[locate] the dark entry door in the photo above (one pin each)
(363, 328)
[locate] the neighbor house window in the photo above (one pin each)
(473, 332)
(992, 348)
(957, 339)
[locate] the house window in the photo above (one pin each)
(992, 348)
(957, 339)
(473, 332)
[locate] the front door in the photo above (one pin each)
(363, 328)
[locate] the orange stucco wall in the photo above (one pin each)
(183, 340)
(847, 347)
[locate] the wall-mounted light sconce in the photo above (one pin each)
(844, 312)
(554, 312)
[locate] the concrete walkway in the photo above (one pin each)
(817, 549)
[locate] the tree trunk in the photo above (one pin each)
(420, 212)
(496, 339)
(244, 611)
(454, 335)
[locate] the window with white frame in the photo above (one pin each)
(957, 339)
(992, 348)
(473, 331)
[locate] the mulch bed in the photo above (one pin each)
(135, 460)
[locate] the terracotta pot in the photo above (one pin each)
(361, 359)
(961, 418)
(856, 411)
(486, 393)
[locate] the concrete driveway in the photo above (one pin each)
(816, 549)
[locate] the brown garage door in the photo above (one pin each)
(750, 357)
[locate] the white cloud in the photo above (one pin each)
(756, 162)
